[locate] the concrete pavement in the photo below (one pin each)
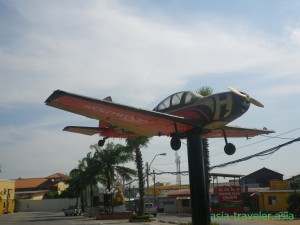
(58, 218)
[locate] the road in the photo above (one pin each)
(58, 218)
(44, 218)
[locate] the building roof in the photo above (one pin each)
(40, 183)
(59, 176)
(296, 177)
(179, 193)
(29, 183)
(261, 172)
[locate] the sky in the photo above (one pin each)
(139, 52)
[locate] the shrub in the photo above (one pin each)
(141, 217)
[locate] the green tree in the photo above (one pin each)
(135, 144)
(77, 183)
(111, 159)
(101, 166)
(293, 201)
(51, 195)
(206, 91)
(92, 168)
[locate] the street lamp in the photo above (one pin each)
(163, 154)
(147, 171)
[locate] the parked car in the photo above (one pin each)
(72, 210)
(150, 209)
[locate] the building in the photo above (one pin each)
(294, 182)
(177, 201)
(7, 196)
(35, 188)
(273, 201)
(260, 178)
(266, 191)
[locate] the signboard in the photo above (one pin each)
(279, 185)
(229, 194)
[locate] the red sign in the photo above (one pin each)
(229, 194)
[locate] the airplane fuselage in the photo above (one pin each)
(214, 111)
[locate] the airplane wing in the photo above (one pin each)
(139, 121)
(105, 132)
(84, 130)
(235, 132)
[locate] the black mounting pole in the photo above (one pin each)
(198, 189)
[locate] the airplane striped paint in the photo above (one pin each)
(173, 117)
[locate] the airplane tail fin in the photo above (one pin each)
(104, 124)
(108, 98)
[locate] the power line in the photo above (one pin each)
(269, 137)
(263, 153)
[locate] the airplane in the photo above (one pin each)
(175, 116)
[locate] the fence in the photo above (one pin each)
(27, 205)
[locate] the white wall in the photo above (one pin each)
(27, 205)
(169, 205)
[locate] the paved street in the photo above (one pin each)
(58, 218)
(43, 218)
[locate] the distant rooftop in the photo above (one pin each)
(41, 182)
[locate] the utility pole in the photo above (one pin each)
(178, 175)
(154, 187)
(7, 200)
(147, 174)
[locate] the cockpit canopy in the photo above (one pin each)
(177, 100)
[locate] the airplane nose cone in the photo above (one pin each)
(246, 97)
(244, 105)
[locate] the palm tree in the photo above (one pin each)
(205, 91)
(77, 183)
(135, 144)
(91, 168)
(102, 166)
(110, 158)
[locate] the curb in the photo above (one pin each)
(172, 222)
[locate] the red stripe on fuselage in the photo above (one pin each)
(194, 114)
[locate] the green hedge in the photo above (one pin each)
(141, 217)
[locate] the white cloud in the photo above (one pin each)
(101, 48)
(105, 47)
(295, 36)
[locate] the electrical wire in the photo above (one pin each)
(263, 153)
(268, 138)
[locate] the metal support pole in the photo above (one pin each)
(154, 187)
(198, 188)
(148, 198)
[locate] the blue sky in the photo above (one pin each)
(139, 52)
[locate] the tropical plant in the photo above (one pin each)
(51, 195)
(101, 166)
(77, 183)
(134, 144)
(91, 167)
(111, 159)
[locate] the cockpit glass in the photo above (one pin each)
(164, 104)
(188, 98)
(176, 99)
